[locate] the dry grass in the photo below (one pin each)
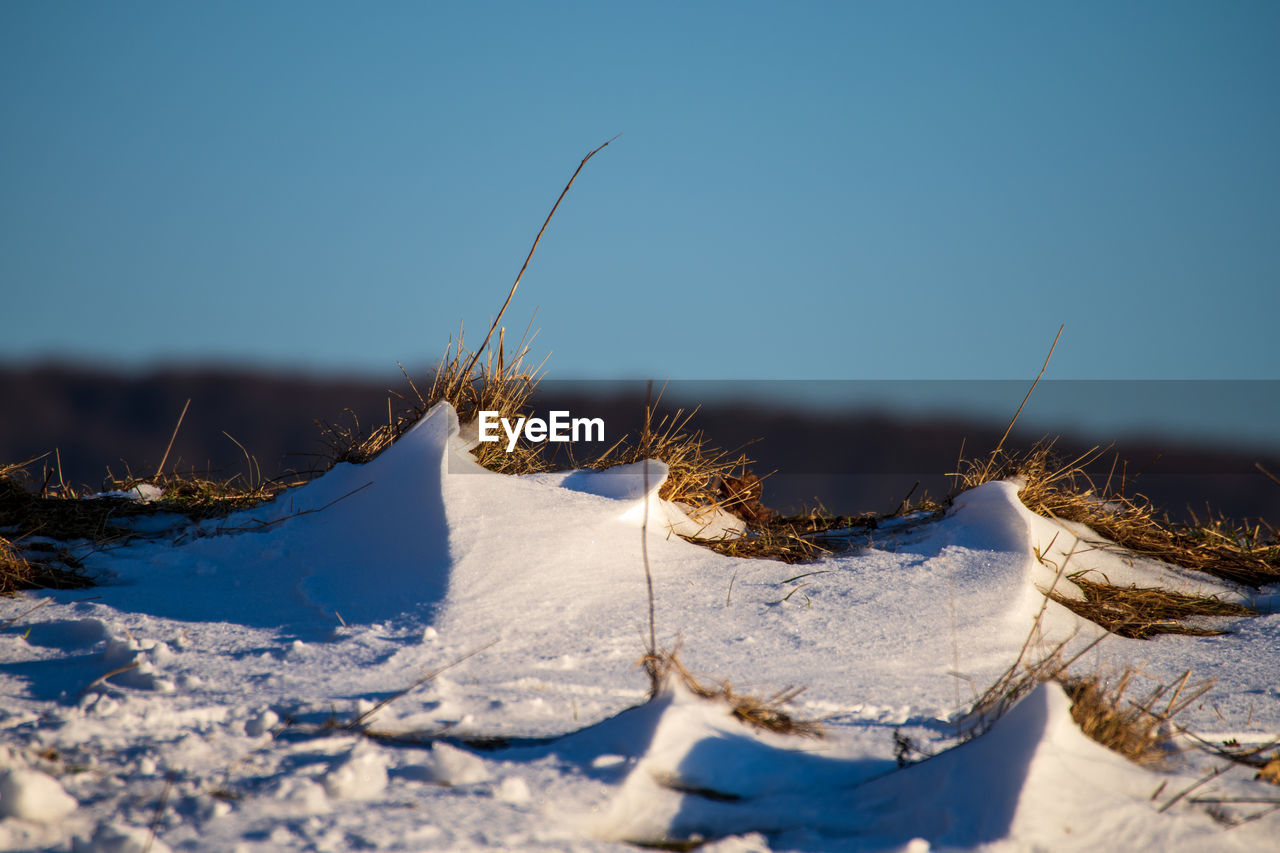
(41, 520)
(505, 384)
(764, 714)
(500, 383)
(15, 571)
(1264, 758)
(497, 384)
(780, 541)
(1138, 730)
(696, 469)
(485, 379)
(18, 573)
(1249, 556)
(816, 534)
(1022, 676)
(1143, 612)
(34, 510)
(63, 514)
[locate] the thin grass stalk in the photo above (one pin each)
(470, 364)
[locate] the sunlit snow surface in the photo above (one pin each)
(244, 645)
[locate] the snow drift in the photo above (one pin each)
(204, 689)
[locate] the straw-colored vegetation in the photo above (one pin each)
(1239, 554)
(1143, 612)
(816, 533)
(37, 522)
(43, 522)
(764, 713)
(1249, 556)
(488, 378)
(779, 540)
(1137, 729)
(696, 471)
(500, 383)
(15, 571)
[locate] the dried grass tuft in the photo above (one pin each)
(484, 379)
(1144, 612)
(500, 383)
(764, 714)
(1249, 556)
(696, 469)
(1138, 730)
(1014, 683)
(15, 571)
(817, 534)
(44, 520)
(64, 514)
(781, 541)
(1263, 758)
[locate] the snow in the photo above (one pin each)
(28, 794)
(486, 631)
(142, 492)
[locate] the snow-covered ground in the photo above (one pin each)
(243, 647)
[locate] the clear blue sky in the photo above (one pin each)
(803, 190)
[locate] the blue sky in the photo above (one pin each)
(803, 190)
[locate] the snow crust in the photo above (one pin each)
(205, 689)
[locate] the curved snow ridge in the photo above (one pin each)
(989, 554)
(372, 542)
(692, 768)
(548, 549)
(993, 518)
(368, 542)
(377, 546)
(1033, 781)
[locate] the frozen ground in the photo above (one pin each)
(241, 648)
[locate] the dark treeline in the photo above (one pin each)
(93, 421)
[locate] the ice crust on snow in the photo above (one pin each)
(223, 658)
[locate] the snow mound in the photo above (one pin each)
(359, 775)
(450, 767)
(445, 600)
(696, 770)
(372, 542)
(120, 838)
(1033, 781)
(28, 794)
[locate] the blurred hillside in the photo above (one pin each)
(857, 461)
